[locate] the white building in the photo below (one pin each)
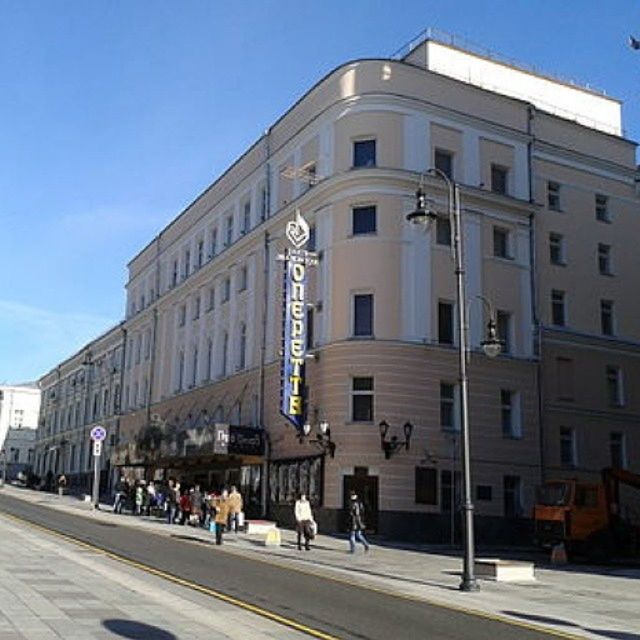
(19, 408)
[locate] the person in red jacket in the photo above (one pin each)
(185, 507)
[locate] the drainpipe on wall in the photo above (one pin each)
(534, 295)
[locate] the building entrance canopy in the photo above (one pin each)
(161, 445)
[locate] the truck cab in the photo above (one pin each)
(569, 511)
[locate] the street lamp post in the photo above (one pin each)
(491, 346)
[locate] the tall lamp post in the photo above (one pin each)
(423, 215)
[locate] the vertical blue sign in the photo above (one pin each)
(294, 336)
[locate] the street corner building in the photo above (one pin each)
(290, 331)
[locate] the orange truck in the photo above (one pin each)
(591, 519)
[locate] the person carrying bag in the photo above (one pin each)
(305, 524)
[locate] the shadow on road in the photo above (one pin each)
(136, 630)
(605, 633)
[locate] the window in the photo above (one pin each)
(225, 353)
(503, 327)
(311, 243)
(187, 264)
(212, 299)
(226, 291)
(510, 413)
(180, 373)
(602, 208)
(499, 178)
(445, 323)
(426, 485)
(194, 367)
(174, 274)
(553, 196)
(501, 247)
(242, 281)
(606, 317)
(362, 400)
(618, 450)
(448, 413)
(246, 217)
(209, 359)
(213, 243)
(450, 490)
(196, 308)
(556, 249)
(228, 236)
(264, 202)
(182, 315)
(484, 492)
(364, 153)
(138, 348)
(564, 378)
(242, 346)
(512, 488)
(614, 386)
(604, 259)
(142, 302)
(363, 315)
(443, 160)
(200, 260)
(558, 311)
(443, 231)
(364, 220)
(567, 447)
(147, 344)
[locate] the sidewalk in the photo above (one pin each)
(591, 602)
(51, 589)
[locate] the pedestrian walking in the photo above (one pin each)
(185, 507)
(171, 502)
(139, 498)
(62, 484)
(222, 514)
(305, 524)
(356, 523)
(235, 508)
(120, 496)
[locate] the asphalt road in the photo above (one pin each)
(341, 610)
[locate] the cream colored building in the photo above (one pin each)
(82, 392)
(540, 163)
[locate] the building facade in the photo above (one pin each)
(548, 189)
(19, 409)
(82, 392)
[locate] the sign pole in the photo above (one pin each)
(96, 474)
(98, 434)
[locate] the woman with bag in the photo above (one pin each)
(305, 524)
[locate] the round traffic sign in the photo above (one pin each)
(98, 433)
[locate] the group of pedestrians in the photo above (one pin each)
(222, 511)
(186, 505)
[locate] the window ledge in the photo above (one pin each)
(359, 422)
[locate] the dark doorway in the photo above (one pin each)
(366, 487)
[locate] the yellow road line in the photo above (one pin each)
(339, 580)
(180, 581)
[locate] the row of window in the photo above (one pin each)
(554, 201)
(569, 449)
(558, 254)
(362, 406)
(613, 382)
(448, 490)
(559, 312)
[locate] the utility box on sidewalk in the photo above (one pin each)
(504, 570)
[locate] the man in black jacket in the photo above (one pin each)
(356, 523)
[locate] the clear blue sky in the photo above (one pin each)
(115, 114)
